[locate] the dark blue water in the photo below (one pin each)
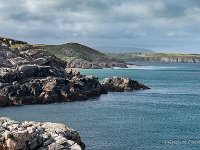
(166, 117)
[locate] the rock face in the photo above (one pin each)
(33, 77)
(120, 84)
(37, 136)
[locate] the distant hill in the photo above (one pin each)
(156, 57)
(118, 49)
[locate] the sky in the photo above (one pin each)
(158, 25)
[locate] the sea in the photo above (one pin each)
(165, 117)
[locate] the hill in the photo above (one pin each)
(81, 56)
(156, 57)
(74, 54)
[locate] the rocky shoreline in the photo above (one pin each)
(38, 77)
(37, 136)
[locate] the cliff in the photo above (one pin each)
(156, 57)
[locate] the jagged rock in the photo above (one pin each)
(18, 61)
(120, 84)
(36, 135)
(46, 89)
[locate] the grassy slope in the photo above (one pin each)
(81, 52)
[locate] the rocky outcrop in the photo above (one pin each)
(37, 136)
(32, 84)
(8, 41)
(120, 84)
(38, 77)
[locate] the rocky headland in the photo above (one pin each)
(37, 136)
(29, 76)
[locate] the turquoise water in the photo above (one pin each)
(166, 117)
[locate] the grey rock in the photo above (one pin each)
(35, 143)
(48, 142)
(57, 146)
(29, 70)
(18, 61)
(36, 135)
(40, 61)
(120, 84)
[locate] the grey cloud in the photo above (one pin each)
(144, 23)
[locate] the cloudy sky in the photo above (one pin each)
(159, 25)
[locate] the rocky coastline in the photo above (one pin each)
(37, 136)
(38, 77)
(30, 76)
